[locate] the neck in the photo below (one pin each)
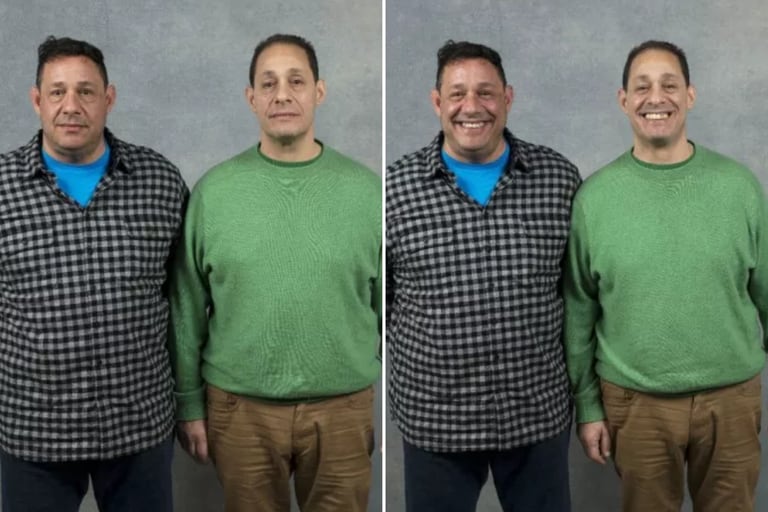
(672, 154)
(294, 150)
(476, 158)
(76, 156)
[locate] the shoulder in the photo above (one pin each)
(147, 162)
(730, 173)
(246, 160)
(409, 164)
(605, 176)
(350, 168)
(544, 159)
(16, 158)
(717, 161)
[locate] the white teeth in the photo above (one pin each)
(657, 115)
(471, 125)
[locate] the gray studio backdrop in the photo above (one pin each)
(565, 59)
(180, 68)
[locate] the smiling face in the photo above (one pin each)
(656, 101)
(72, 102)
(472, 105)
(284, 97)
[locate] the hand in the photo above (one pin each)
(194, 439)
(595, 440)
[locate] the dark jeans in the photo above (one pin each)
(528, 479)
(140, 482)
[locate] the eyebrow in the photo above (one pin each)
(80, 83)
(665, 76)
(464, 86)
(291, 71)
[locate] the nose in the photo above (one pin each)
(655, 95)
(282, 93)
(471, 103)
(71, 103)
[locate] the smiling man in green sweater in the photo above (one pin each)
(666, 289)
(276, 305)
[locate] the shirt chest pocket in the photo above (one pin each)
(148, 238)
(26, 249)
(429, 246)
(546, 236)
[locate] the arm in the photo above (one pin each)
(582, 311)
(189, 300)
(758, 277)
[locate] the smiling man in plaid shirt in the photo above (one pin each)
(87, 223)
(476, 227)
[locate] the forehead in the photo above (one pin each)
(75, 68)
(468, 72)
(280, 57)
(655, 62)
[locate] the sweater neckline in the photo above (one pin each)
(674, 171)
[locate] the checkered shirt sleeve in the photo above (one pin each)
(474, 308)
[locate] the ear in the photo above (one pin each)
(509, 96)
(621, 97)
(436, 101)
(111, 97)
(34, 98)
(250, 98)
(319, 91)
(691, 96)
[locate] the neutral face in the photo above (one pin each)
(284, 95)
(657, 101)
(72, 103)
(472, 105)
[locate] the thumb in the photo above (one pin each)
(605, 442)
(202, 448)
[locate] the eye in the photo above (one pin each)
(268, 85)
(456, 95)
(485, 94)
(297, 81)
(670, 87)
(641, 88)
(57, 92)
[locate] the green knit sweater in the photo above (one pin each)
(666, 280)
(276, 289)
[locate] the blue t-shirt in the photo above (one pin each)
(478, 180)
(78, 181)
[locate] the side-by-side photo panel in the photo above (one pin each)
(576, 281)
(191, 257)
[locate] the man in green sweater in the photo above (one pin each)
(666, 290)
(276, 305)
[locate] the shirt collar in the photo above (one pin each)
(519, 159)
(120, 159)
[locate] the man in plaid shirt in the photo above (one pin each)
(87, 223)
(476, 227)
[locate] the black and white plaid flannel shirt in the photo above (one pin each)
(84, 372)
(474, 312)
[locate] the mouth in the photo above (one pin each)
(472, 125)
(283, 115)
(656, 116)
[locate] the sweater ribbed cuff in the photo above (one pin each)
(190, 405)
(589, 409)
